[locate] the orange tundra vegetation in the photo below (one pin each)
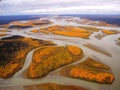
(108, 32)
(31, 23)
(67, 31)
(88, 75)
(49, 58)
(35, 31)
(53, 86)
(12, 58)
(2, 35)
(3, 30)
(17, 23)
(74, 50)
(91, 70)
(90, 28)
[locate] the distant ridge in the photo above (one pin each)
(111, 19)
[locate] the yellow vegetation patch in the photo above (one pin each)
(101, 77)
(44, 31)
(16, 53)
(74, 50)
(48, 58)
(18, 23)
(95, 64)
(2, 35)
(8, 69)
(90, 70)
(31, 23)
(90, 28)
(71, 33)
(76, 29)
(53, 86)
(67, 31)
(35, 31)
(3, 30)
(108, 32)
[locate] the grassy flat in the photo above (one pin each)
(49, 58)
(90, 70)
(109, 32)
(53, 86)
(67, 31)
(13, 51)
(2, 35)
